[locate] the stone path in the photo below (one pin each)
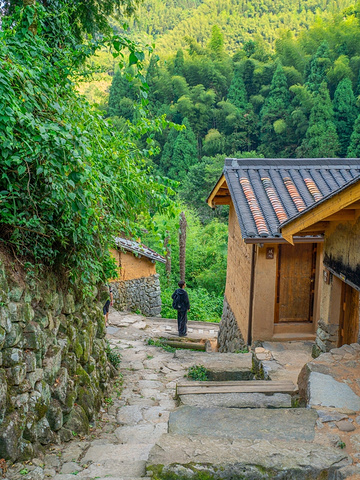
(132, 433)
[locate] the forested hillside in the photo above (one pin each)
(299, 101)
(170, 23)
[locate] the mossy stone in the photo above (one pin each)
(2, 337)
(78, 421)
(82, 377)
(55, 415)
(10, 433)
(15, 336)
(86, 399)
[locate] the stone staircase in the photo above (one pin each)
(240, 428)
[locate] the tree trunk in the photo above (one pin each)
(182, 245)
(167, 258)
(33, 26)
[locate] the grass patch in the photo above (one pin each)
(198, 372)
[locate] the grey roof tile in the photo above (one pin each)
(138, 249)
(269, 192)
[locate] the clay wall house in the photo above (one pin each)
(137, 285)
(337, 217)
(273, 288)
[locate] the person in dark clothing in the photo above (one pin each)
(182, 305)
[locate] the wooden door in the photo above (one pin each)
(295, 283)
(349, 315)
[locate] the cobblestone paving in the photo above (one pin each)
(135, 414)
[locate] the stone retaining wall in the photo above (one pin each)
(326, 338)
(53, 363)
(140, 294)
(229, 337)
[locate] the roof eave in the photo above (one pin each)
(319, 211)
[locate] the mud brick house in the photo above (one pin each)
(337, 217)
(273, 287)
(137, 285)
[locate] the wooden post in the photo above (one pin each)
(182, 245)
(167, 258)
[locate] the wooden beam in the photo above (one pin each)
(222, 200)
(252, 386)
(319, 212)
(355, 205)
(220, 184)
(343, 215)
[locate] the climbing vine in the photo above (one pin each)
(68, 182)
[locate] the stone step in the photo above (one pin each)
(238, 400)
(248, 423)
(220, 366)
(193, 457)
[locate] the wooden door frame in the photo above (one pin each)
(346, 288)
(312, 283)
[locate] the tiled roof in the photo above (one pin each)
(138, 249)
(269, 192)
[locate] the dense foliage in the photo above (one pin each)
(68, 183)
(171, 23)
(300, 101)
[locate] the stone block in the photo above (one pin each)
(77, 421)
(16, 293)
(30, 361)
(2, 337)
(16, 374)
(14, 337)
(60, 385)
(30, 432)
(5, 321)
(69, 304)
(34, 337)
(325, 391)
(12, 356)
(3, 394)
(52, 363)
(10, 433)
(36, 376)
(43, 432)
(43, 388)
(55, 415)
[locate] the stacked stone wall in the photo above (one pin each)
(326, 338)
(53, 363)
(230, 338)
(141, 294)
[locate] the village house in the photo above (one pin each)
(337, 216)
(273, 287)
(137, 285)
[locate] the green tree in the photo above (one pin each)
(179, 63)
(237, 92)
(321, 139)
(216, 44)
(318, 68)
(274, 115)
(184, 154)
(121, 89)
(345, 113)
(354, 147)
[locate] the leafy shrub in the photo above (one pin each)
(204, 306)
(198, 372)
(113, 357)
